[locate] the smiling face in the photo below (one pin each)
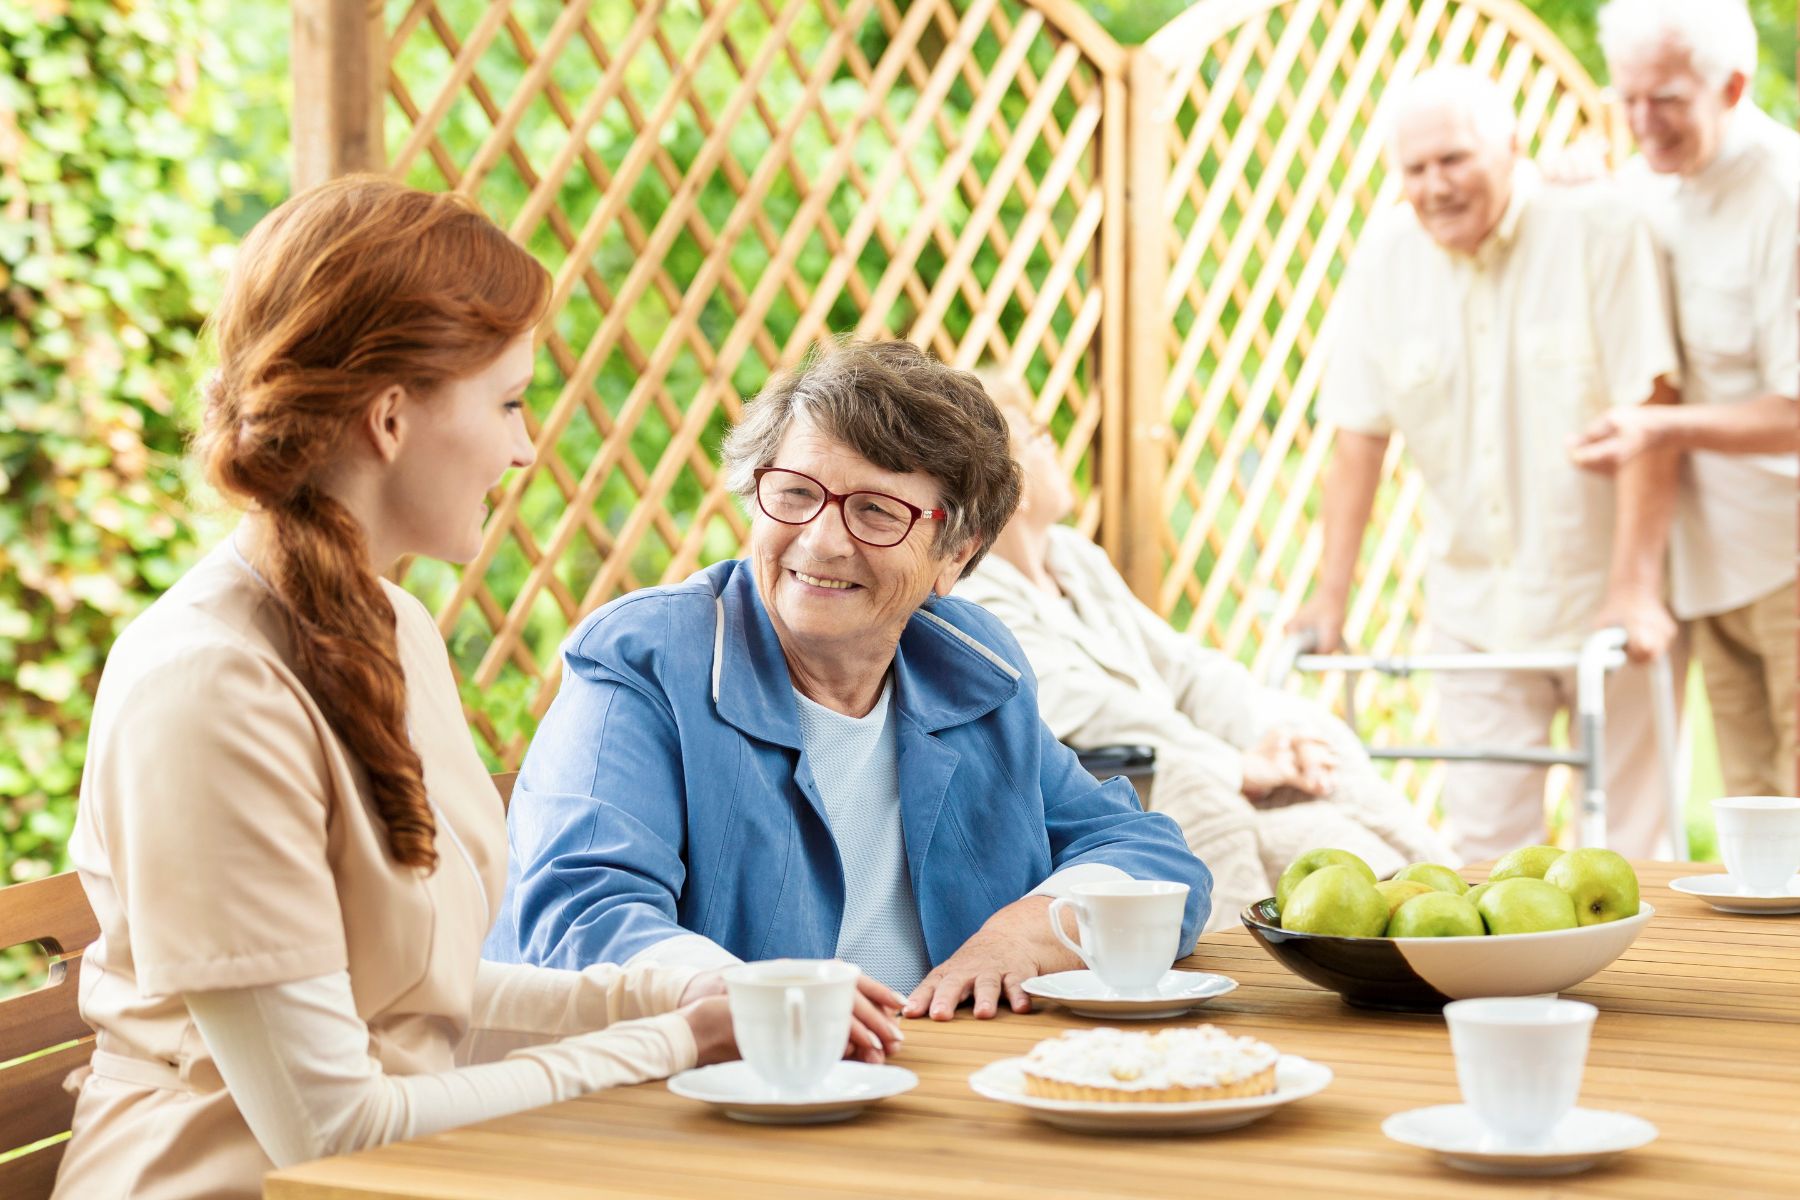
(1678, 119)
(1458, 182)
(832, 598)
(457, 444)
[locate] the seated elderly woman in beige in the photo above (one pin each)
(1253, 776)
(290, 844)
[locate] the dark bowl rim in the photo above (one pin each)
(1251, 920)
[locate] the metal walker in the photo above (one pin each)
(1602, 653)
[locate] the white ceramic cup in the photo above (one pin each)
(792, 1019)
(1519, 1061)
(1759, 839)
(1130, 929)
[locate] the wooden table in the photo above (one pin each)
(1699, 1032)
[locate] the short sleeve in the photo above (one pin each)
(213, 782)
(1632, 314)
(1353, 393)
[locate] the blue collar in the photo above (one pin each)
(944, 675)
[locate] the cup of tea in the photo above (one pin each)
(1519, 1061)
(1759, 839)
(1130, 929)
(792, 1019)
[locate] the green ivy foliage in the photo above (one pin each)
(111, 199)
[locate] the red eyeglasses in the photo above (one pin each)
(873, 518)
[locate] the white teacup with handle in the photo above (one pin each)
(1130, 930)
(792, 1019)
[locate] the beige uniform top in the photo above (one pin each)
(1486, 364)
(1729, 233)
(225, 840)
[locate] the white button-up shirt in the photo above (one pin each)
(1485, 364)
(1729, 234)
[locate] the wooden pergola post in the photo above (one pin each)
(340, 77)
(1137, 550)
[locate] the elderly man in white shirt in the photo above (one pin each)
(1488, 321)
(1721, 181)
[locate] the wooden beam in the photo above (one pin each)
(1137, 552)
(340, 82)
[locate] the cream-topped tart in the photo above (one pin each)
(1167, 1066)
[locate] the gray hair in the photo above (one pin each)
(902, 410)
(1719, 35)
(1462, 89)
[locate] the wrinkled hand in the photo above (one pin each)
(1321, 621)
(1289, 758)
(1582, 161)
(1014, 945)
(1649, 629)
(710, 1021)
(1614, 439)
(874, 1034)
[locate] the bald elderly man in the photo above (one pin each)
(1722, 184)
(1488, 321)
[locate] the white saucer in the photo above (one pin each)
(1082, 993)
(1295, 1079)
(737, 1091)
(1586, 1136)
(1728, 895)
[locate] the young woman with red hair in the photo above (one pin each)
(291, 845)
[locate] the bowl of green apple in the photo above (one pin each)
(1544, 920)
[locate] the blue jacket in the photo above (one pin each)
(666, 791)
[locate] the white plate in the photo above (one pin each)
(1082, 993)
(737, 1091)
(1586, 1136)
(1727, 895)
(1295, 1079)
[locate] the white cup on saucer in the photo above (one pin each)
(1519, 1061)
(1130, 929)
(1759, 839)
(792, 1019)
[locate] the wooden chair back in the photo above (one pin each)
(42, 1035)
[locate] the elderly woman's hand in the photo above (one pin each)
(1014, 945)
(1289, 758)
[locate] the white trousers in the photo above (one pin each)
(1497, 807)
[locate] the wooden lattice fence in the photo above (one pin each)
(716, 184)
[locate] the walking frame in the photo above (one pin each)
(1602, 653)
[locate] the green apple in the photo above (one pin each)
(1398, 891)
(1434, 876)
(1526, 906)
(1314, 860)
(1600, 882)
(1436, 914)
(1475, 893)
(1527, 862)
(1337, 901)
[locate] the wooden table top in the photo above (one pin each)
(1699, 1032)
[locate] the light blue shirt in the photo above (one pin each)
(856, 763)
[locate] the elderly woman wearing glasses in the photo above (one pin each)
(813, 751)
